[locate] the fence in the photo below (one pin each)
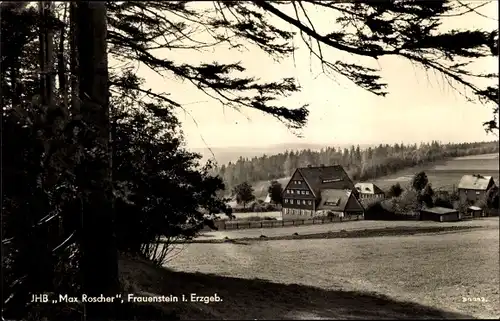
(228, 225)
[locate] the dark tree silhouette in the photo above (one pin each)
(419, 181)
(426, 196)
(492, 198)
(395, 190)
(275, 190)
(243, 193)
(99, 263)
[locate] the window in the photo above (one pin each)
(331, 180)
(304, 202)
(333, 202)
(292, 191)
(309, 202)
(286, 200)
(478, 193)
(307, 192)
(303, 192)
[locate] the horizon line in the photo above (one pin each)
(342, 144)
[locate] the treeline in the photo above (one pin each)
(361, 164)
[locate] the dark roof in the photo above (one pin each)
(368, 188)
(439, 210)
(477, 182)
(326, 177)
(334, 199)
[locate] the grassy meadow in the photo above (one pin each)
(424, 275)
(446, 174)
(348, 270)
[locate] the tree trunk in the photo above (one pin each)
(41, 53)
(63, 82)
(99, 263)
(75, 102)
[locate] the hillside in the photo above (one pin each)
(366, 164)
(398, 273)
(443, 174)
(252, 297)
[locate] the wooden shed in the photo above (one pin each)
(474, 211)
(439, 214)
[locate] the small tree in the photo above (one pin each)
(406, 204)
(426, 195)
(395, 190)
(419, 181)
(244, 193)
(492, 198)
(275, 190)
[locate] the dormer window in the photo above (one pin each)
(333, 202)
(331, 180)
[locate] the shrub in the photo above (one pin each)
(406, 204)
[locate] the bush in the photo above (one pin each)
(406, 204)
(395, 190)
(383, 211)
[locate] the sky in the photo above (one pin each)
(419, 106)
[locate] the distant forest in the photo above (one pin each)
(360, 164)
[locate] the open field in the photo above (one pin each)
(442, 174)
(257, 299)
(446, 174)
(348, 277)
(338, 226)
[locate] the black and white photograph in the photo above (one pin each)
(250, 160)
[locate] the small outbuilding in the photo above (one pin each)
(474, 211)
(439, 214)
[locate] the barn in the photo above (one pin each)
(439, 214)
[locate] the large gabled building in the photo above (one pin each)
(472, 188)
(320, 191)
